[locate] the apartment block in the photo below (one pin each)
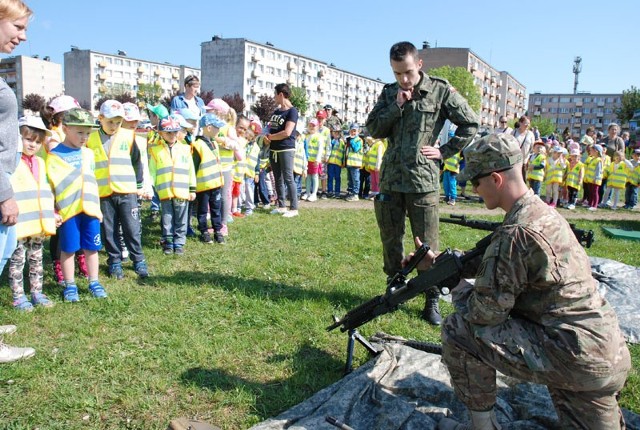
(576, 111)
(501, 93)
(89, 75)
(238, 65)
(32, 75)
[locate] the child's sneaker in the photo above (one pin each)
(278, 211)
(178, 250)
(97, 290)
(141, 269)
(23, 304)
(116, 271)
(290, 214)
(205, 237)
(218, 238)
(248, 212)
(224, 230)
(57, 272)
(167, 248)
(82, 265)
(70, 293)
(39, 299)
(237, 214)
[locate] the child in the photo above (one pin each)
(251, 166)
(536, 167)
(155, 113)
(315, 153)
(374, 163)
(70, 169)
(616, 175)
(633, 180)
(321, 116)
(575, 176)
(209, 180)
(171, 168)
(449, 179)
(119, 173)
(335, 163)
(365, 176)
(299, 168)
(36, 218)
(554, 176)
(593, 177)
(242, 127)
(353, 156)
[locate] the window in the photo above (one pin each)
(565, 99)
(554, 100)
(587, 100)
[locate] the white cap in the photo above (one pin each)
(33, 122)
(63, 103)
(131, 112)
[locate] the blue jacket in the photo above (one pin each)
(178, 102)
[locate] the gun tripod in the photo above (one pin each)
(354, 336)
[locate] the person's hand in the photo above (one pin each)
(431, 152)
(9, 210)
(58, 220)
(192, 196)
(403, 96)
(426, 262)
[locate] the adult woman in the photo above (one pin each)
(525, 139)
(189, 99)
(613, 142)
(281, 139)
(14, 17)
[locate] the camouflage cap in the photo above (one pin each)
(79, 117)
(490, 153)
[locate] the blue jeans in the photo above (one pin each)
(121, 210)
(631, 196)
(353, 175)
(174, 219)
(535, 186)
(8, 243)
(450, 185)
(334, 171)
(209, 201)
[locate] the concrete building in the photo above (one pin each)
(32, 75)
(501, 93)
(576, 111)
(90, 75)
(238, 65)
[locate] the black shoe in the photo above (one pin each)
(205, 237)
(431, 312)
(178, 250)
(190, 232)
(167, 248)
(218, 238)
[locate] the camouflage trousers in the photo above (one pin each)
(392, 209)
(31, 248)
(517, 348)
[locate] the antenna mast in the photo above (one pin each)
(577, 68)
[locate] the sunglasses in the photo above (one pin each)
(476, 181)
(503, 122)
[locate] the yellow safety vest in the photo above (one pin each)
(299, 157)
(573, 175)
(555, 172)
(315, 148)
(251, 160)
(354, 159)
(617, 175)
(537, 174)
(590, 171)
(209, 174)
(239, 166)
(336, 155)
(173, 174)
(34, 199)
(226, 155)
(634, 176)
(452, 164)
(114, 172)
(75, 190)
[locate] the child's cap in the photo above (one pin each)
(218, 106)
(187, 114)
(598, 148)
(321, 114)
(564, 151)
(313, 122)
(538, 142)
(556, 148)
(543, 149)
(63, 103)
(636, 151)
(354, 126)
(255, 127)
(33, 122)
(131, 112)
(211, 119)
(159, 110)
(111, 109)
(183, 122)
(336, 129)
(575, 151)
(169, 124)
(78, 117)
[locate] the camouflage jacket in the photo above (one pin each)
(416, 124)
(534, 269)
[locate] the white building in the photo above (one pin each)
(31, 75)
(238, 65)
(89, 75)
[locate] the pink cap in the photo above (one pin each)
(218, 106)
(63, 103)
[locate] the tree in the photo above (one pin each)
(630, 103)
(299, 99)
(149, 93)
(122, 98)
(264, 107)
(462, 80)
(33, 102)
(207, 96)
(545, 125)
(235, 101)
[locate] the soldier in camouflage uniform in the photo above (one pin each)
(535, 312)
(410, 113)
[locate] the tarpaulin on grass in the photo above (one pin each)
(407, 389)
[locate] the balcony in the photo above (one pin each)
(291, 80)
(256, 73)
(537, 103)
(140, 69)
(175, 75)
(102, 89)
(256, 58)
(600, 114)
(254, 89)
(156, 72)
(291, 65)
(102, 64)
(321, 88)
(321, 73)
(305, 84)
(175, 86)
(579, 103)
(578, 114)
(102, 76)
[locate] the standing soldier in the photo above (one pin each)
(410, 113)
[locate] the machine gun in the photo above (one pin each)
(444, 274)
(585, 237)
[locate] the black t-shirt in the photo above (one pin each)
(277, 124)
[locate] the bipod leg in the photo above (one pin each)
(353, 336)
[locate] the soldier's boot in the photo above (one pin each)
(431, 311)
(480, 420)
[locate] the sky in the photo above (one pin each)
(536, 42)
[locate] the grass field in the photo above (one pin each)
(228, 334)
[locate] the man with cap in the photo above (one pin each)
(534, 312)
(333, 121)
(410, 114)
